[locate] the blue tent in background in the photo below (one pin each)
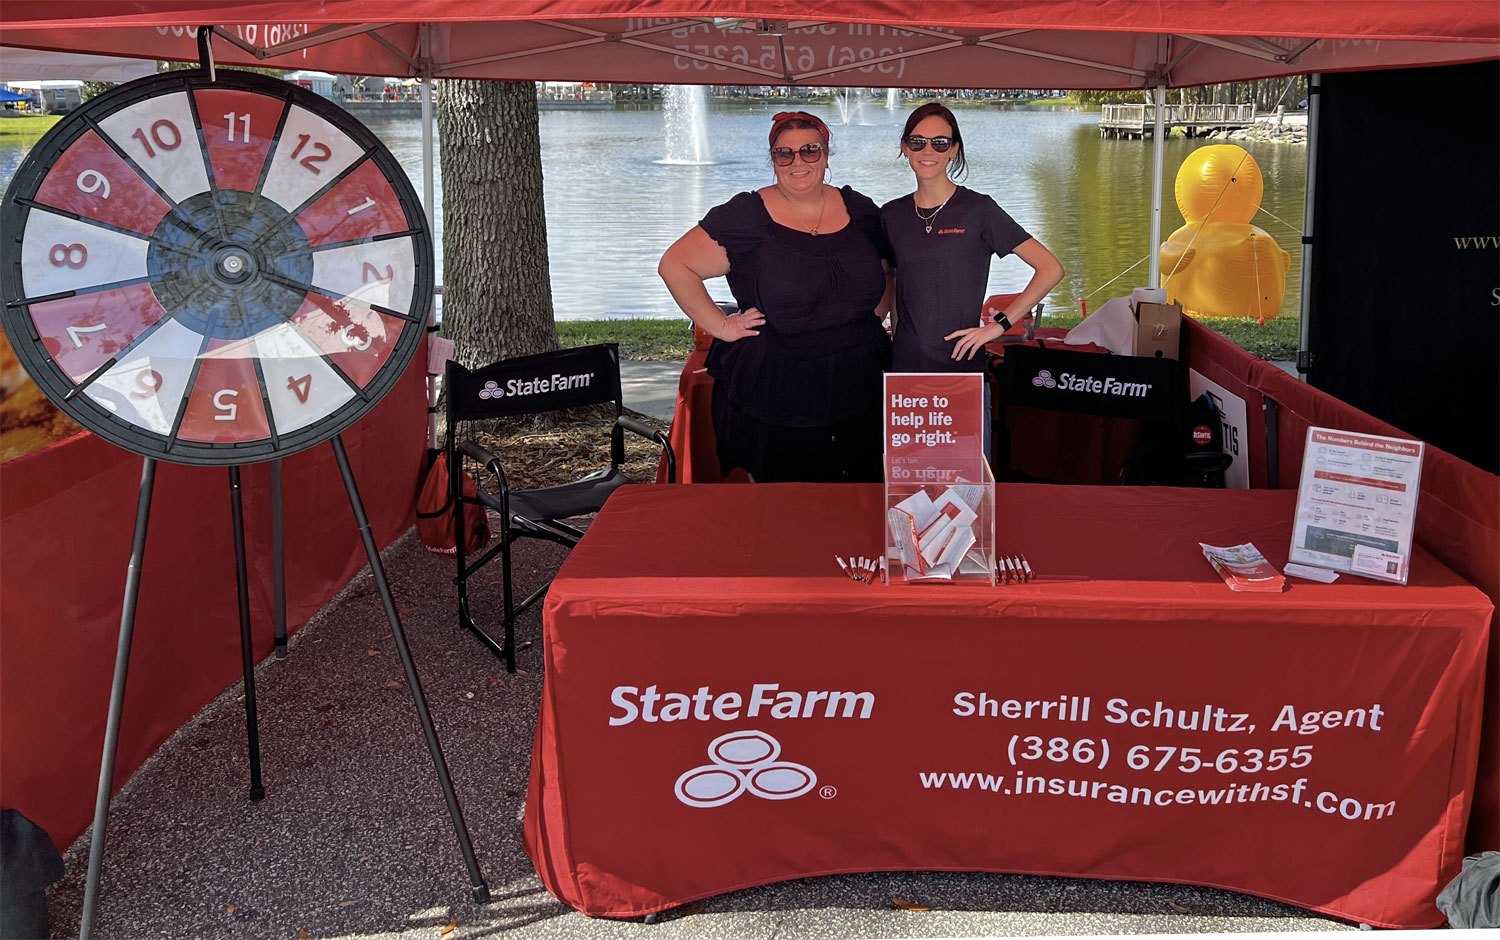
(7, 95)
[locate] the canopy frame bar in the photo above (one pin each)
(861, 63)
(1054, 57)
(1192, 44)
(319, 37)
(395, 50)
(1296, 54)
(595, 37)
(237, 42)
(1280, 55)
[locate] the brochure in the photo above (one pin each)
(1244, 568)
(1356, 503)
(935, 537)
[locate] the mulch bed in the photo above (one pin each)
(561, 447)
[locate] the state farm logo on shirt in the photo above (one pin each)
(547, 383)
(1092, 385)
(743, 762)
(951, 231)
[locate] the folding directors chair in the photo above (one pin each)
(526, 385)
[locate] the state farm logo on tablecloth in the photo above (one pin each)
(744, 761)
(1044, 379)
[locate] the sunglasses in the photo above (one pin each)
(811, 153)
(917, 144)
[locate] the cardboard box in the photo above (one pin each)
(1157, 329)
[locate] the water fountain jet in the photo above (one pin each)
(686, 113)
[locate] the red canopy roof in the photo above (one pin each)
(906, 43)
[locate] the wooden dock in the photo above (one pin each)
(1139, 120)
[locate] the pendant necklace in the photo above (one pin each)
(927, 219)
(822, 207)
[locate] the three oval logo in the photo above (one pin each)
(1044, 379)
(744, 761)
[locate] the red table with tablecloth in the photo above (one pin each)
(723, 708)
(1057, 446)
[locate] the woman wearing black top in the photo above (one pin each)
(943, 237)
(798, 372)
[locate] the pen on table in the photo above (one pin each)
(842, 565)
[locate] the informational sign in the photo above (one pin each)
(940, 495)
(1356, 503)
(934, 421)
(1231, 409)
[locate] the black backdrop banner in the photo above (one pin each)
(1405, 275)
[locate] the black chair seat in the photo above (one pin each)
(559, 502)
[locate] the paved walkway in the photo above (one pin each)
(650, 387)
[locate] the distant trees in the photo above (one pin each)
(1265, 93)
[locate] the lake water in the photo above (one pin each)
(613, 207)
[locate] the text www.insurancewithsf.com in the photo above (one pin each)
(1023, 784)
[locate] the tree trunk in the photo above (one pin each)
(497, 298)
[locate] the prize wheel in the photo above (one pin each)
(213, 272)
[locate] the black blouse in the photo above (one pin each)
(821, 353)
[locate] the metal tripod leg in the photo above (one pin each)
(247, 652)
(117, 698)
(476, 880)
(278, 561)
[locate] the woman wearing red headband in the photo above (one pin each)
(798, 372)
(943, 237)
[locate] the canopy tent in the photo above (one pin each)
(1108, 44)
(917, 43)
(1097, 44)
(8, 95)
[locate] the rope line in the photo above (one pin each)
(1281, 220)
(1090, 294)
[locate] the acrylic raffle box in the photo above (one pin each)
(939, 492)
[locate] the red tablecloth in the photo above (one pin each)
(1316, 746)
(1057, 446)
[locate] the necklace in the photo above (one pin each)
(822, 207)
(927, 219)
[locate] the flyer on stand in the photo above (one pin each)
(1356, 503)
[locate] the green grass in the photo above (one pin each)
(29, 128)
(638, 338)
(673, 339)
(1066, 99)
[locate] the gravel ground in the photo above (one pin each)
(352, 839)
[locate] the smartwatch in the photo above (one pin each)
(1004, 322)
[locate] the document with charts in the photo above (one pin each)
(1356, 503)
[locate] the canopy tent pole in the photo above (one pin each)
(428, 201)
(1304, 323)
(1157, 156)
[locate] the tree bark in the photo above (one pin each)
(497, 291)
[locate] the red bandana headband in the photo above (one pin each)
(780, 119)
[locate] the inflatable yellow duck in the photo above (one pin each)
(1218, 264)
